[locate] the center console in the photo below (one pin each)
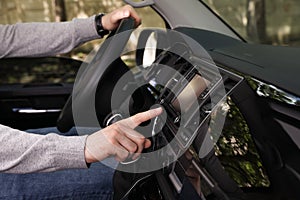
(192, 91)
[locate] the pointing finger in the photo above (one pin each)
(139, 118)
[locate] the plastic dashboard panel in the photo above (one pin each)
(276, 65)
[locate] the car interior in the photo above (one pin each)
(194, 158)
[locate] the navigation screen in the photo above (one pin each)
(187, 96)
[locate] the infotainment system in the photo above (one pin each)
(189, 89)
(197, 85)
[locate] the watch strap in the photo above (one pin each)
(98, 24)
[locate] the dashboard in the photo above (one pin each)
(192, 90)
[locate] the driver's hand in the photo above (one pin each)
(119, 139)
(111, 20)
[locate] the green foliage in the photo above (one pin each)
(238, 153)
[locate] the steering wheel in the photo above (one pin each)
(99, 76)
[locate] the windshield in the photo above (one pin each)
(273, 22)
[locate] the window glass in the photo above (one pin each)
(272, 22)
(38, 70)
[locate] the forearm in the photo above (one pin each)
(46, 39)
(22, 152)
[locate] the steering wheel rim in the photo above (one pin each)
(78, 108)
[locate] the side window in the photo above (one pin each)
(54, 70)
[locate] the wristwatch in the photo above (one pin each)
(98, 24)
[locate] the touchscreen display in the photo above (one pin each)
(187, 96)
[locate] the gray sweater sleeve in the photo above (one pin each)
(45, 39)
(22, 152)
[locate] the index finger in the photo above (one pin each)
(139, 118)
